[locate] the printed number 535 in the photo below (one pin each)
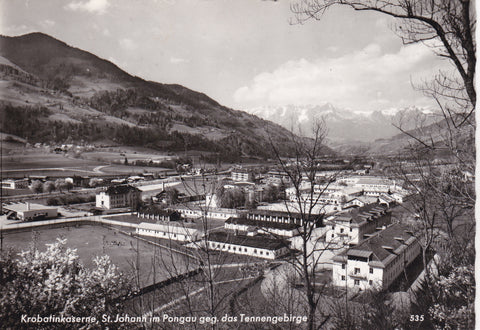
(416, 318)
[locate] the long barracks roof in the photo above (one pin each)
(359, 215)
(273, 213)
(260, 223)
(374, 181)
(260, 242)
(383, 246)
(168, 228)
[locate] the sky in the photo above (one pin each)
(244, 54)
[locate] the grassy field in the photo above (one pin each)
(19, 161)
(155, 264)
(22, 162)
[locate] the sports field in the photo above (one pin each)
(154, 263)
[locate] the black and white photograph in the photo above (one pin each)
(237, 164)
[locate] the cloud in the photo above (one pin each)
(47, 23)
(127, 44)
(176, 60)
(15, 30)
(366, 79)
(92, 6)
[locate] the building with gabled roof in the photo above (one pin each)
(255, 246)
(170, 231)
(377, 261)
(245, 225)
(118, 196)
(386, 199)
(282, 217)
(350, 227)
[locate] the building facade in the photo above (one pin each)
(168, 231)
(15, 184)
(30, 211)
(245, 225)
(376, 262)
(117, 197)
(350, 227)
(255, 246)
(242, 175)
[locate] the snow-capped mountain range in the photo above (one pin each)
(344, 125)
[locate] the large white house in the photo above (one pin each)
(350, 227)
(118, 196)
(376, 262)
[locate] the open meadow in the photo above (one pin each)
(92, 240)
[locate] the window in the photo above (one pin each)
(351, 229)
(341, 230)
(371, 270)
(343, 266)
(333, 235)
(370, 282)
(255, 251)
(356, 282)
(357, 270)
(343, 277)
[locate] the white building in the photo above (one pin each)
(170, 231)
(376, 262)
(255, 246)
(350, 227)
(373, 186)
(30, 211)
(118, 196)
(243, 224)
(15, 184)
(196, 211)
(242, 175)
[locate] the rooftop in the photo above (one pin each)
(275, 213)
(22, 207)
(259, 223)
(383, 246)
(260, 242)
(374, 180)
(168, 228)
(358, 215)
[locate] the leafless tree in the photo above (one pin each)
(302, 172)
(447, 26)
(220, 275)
